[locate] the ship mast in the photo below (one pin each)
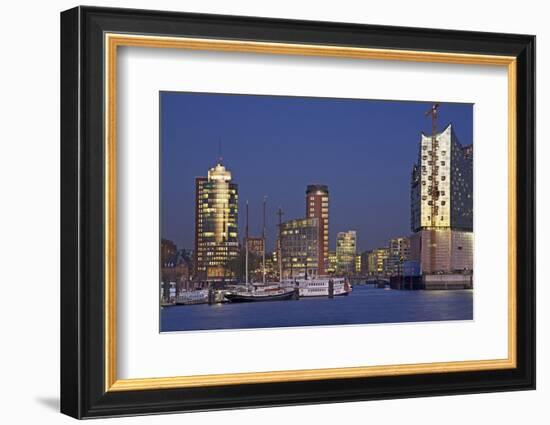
(263, 238)
(279, 248)
(246, 247)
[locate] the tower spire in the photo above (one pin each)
(220, 157)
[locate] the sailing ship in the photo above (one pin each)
(266, 291)
(275, 293)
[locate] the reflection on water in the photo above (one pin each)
(364, 305)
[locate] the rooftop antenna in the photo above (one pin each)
(220, 157)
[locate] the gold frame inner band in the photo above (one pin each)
(113, 41)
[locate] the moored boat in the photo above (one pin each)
(265, 291)
(193, 297)
(256, 295)
(323, 287)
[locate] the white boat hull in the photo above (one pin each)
(193, 297)
(320, 287)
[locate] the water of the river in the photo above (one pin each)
(365, 304)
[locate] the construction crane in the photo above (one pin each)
(433, 190)
(433, 113)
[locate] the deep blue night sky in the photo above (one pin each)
(277, 145)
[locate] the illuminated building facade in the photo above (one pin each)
(346, 250)
(442, 184)
(357, 264)
(255, 246)
(365, 262)
(399, 252)
(317, 206)
(377, 261)
(216, 213)
(271, 266)
(453, 253)
(442, 204)
(332, 262)
(382, 255)
(299, 241)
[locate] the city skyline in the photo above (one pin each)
(276, 146)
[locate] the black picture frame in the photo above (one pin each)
(83, 392)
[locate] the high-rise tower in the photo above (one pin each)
(346, 251)
(317, 204)
(442, 204)
(442, 184)
(299, 255)
(216, 213)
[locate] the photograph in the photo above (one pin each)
(280, 210)
(289, 211)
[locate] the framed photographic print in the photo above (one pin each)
(261, 212)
